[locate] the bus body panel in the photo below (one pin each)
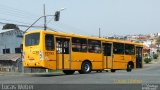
(33, 54)
(123, 61)
(60, 62)
(76, 65)
(109, 62)
(96, 59)
(38, 56)
(119, 65)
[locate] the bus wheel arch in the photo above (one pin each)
(130, 66)
(86, 67)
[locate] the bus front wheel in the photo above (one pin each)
(85, 68)
(68, 72)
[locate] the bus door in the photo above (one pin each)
(119, 61)
(63, 53)
(139, 57)
(107, 53)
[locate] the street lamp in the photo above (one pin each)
(56, 16)
(62, 9)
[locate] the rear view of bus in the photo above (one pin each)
(34, 50)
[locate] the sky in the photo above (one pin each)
(114, 17)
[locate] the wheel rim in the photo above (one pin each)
(87, 67)
(129, 66)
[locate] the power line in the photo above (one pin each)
(14, 21)
(15, 15)
(16, 11)
(23, 25)
(9, 11)
(20, 25)
(8, 14)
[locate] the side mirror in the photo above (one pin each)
(57, 16)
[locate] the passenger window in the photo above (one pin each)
(49, 42)
(94, 46)
(129, 49)
(118, 48)
(107, 49)
(79, 45)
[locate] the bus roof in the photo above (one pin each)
(83, 36)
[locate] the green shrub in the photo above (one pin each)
(147, 60)
(155, 56)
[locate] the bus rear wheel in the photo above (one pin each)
(130, 67)
(85, 68)
(68, 72)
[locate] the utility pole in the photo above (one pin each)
(45, 19)
(99, 32)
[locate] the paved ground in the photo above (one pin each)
(150, 74)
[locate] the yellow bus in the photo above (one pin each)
(72, 52)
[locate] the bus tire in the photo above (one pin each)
(113, 70)
(130, 66)
(68, 72)
(86, 67)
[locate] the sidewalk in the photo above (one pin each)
(10, 73)
(21, 73)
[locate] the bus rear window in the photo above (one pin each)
(32, 39)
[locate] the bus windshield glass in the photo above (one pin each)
(32, 39)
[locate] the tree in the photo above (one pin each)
(158, 42)
(10, 26)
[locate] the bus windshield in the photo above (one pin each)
(32, 39)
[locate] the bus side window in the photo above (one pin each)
(66, 47)
(49, 42)
(94, 46)
(79, 45)
(118, 48)
(129, 49)
(107, 49)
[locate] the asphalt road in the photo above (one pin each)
(149, 74)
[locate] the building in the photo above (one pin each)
(10, 63)
(10, 51)
(153, 49)
(9, 42)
